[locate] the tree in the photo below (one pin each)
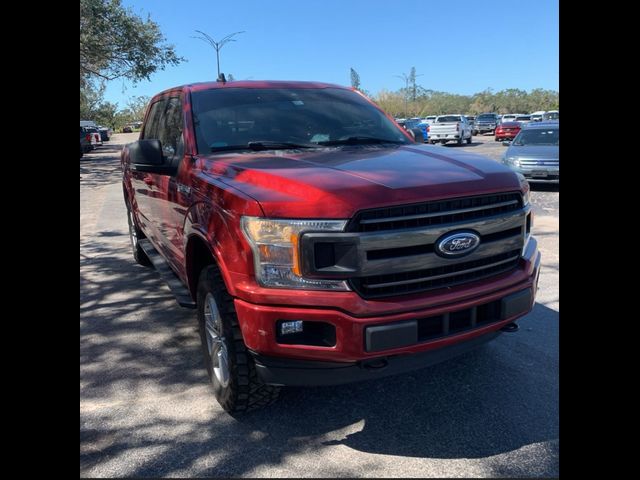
(412, 83)
(136, 107)
(116, 43)
(90, 97)
(355, 79)
(430, 102)
(106, 114)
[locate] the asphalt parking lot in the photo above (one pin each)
(146, 408)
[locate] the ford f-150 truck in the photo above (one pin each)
(317, 242)
(450, 127)
(487, 122)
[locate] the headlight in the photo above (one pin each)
(275, 245)
(526, 189)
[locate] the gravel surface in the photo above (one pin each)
(146, 408)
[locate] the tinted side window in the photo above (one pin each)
(152, 124)
(170, 130)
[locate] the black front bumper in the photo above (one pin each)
(290, 372)
(294, 372)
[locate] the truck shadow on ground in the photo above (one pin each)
(491, 401)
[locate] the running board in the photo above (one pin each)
(178, 289)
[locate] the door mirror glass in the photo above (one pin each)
(146, 152)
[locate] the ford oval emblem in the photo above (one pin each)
(457, 244)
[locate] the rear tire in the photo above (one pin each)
(230, 366)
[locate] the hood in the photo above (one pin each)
(548, 152)
(337, 182)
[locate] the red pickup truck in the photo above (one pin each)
(317, 241)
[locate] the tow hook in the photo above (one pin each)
(374, 364)
(510, 327)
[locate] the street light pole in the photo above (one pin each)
(217, 45)
(406, 90)
(407, 79)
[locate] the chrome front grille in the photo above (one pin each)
(539, 163)
(392, 251)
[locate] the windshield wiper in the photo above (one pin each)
(263, 145)
(359, 140)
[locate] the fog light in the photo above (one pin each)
(287, 328)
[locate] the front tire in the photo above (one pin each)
(230, 366)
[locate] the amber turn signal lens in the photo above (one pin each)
(296, 255)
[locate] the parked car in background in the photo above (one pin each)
(486, 122)
(412, 123)
(537, 116)
(471, 119)
(507, 131)
(105, 133)
(535, 152)
(85, 141)
(509, 117)
(127, 129)
(96, 139)
(551, 115)
(523, 119)
(450, 128)
(425, 127)
(430, 119)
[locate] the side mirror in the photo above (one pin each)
(417, 135)
(506, 143)
(146, 152)
(146, 156)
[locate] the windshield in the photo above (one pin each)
(523, 118)
(448, 118)
(486, 118)
(551, 116)
(538, 136)
(229, 117)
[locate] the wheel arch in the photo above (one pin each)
(199, 254)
